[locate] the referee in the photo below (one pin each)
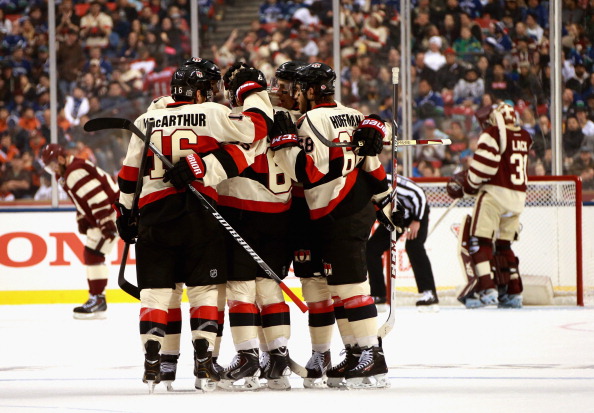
(416, 224)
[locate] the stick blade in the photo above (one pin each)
(98, 124)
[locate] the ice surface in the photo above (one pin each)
(531, 360)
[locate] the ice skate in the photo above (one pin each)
(336, 375)
(370, 372)
(152, 364)
(510, 301)
(276, 371)
(428, 302)
(482, 299)
(168, 369)
(218, 368)
(204, 370)
(244, 367)
(93, 309)
(316, 368)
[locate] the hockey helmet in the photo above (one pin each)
(288, 70)
(49, 156)
(195, 74)
(482, 115)
(320, 76)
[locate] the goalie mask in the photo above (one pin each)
(318, 76)
(196, 74)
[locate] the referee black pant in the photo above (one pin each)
(417, 255)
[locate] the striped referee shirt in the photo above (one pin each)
(412, 197)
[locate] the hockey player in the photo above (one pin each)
(497, 177)
(92, 191)
(178, 239)
(256, 204)
(338, 185)
(415, 222)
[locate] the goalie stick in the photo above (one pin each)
(119, 123)
(407, 142)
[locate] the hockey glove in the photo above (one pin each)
(383, 212)
(369, 136)
(127, 225)
(246, 81)
(455, 185)
(186, 171)
(83, 225)
(109, 230)
(283, 133)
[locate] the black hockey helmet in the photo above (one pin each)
(288, 70)
(195, 74)
(320, 76)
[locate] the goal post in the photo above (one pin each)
(549, 246)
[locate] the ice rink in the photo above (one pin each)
(532, 360)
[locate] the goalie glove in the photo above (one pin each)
(458, 185)
(369, 136)
(126, 224)
(185, 171)
(283, 133)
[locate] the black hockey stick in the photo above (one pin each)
(119, 123)
(389, 323)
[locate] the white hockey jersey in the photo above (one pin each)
(335, 179)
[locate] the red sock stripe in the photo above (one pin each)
(276, 308)
(221, 317)
(153, 315)
(337, 301)
(319, 307)
(205, 312)
(358, 301)
(244, 308)
(174, 314)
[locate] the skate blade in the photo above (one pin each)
(168, 384)
(249, 384)
(99, 315)
(315, 383)
(433, 308)
(473, 303)
(378, 381)
(336, 382)
(206, 385)
(151, 385)
(281, 383)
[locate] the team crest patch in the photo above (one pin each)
(213, 273)
(302, 255)
(327, 269)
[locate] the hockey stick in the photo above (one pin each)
(389, 323)
(446, 212)
(408, 142)
(118, 123)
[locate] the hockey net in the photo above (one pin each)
(549, 245)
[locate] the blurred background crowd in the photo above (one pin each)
(114, 57)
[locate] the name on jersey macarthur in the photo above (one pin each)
(186, 119)
(344, 120)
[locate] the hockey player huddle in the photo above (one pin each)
(272, 171)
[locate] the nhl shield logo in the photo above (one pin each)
(213, 273)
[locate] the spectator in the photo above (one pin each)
(428, 103)
(67, 19)
(96, 27)
(582, 160)
(375, 33)
(572, 137)
(470, 89)
(96, 57)
(16, 179)
(541, 140)
(5, 24)
(528, 84)
(538, 11)
(76, 106)
(270, 12)
(500, 85)
(459, 143)
(580, 81)
(423, 71)
(466, 46)
(449, 74)
(44, 192)
(434, 59)
(20, 64)
(7, 149)
(581, 113)
(28, 120)
(70, 60)
(435, 154)
(533, 29)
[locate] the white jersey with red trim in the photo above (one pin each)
(208, 129)
(261, 187)
(335, 179)
(91, 189)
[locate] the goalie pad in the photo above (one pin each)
(466, 260)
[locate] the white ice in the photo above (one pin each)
(537, 359)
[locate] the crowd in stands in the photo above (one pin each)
(114, 57)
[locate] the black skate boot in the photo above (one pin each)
(336, 374)
(276, 370)
(152, 364)
(218, 368)
(168, 369)
(246, 366)
(316, 368)
(204, 370)
(428, 302)
(370, 371)
(93, 309)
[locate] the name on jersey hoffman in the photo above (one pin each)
(341, 121)
(186, 119)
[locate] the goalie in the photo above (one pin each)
(497, 177)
